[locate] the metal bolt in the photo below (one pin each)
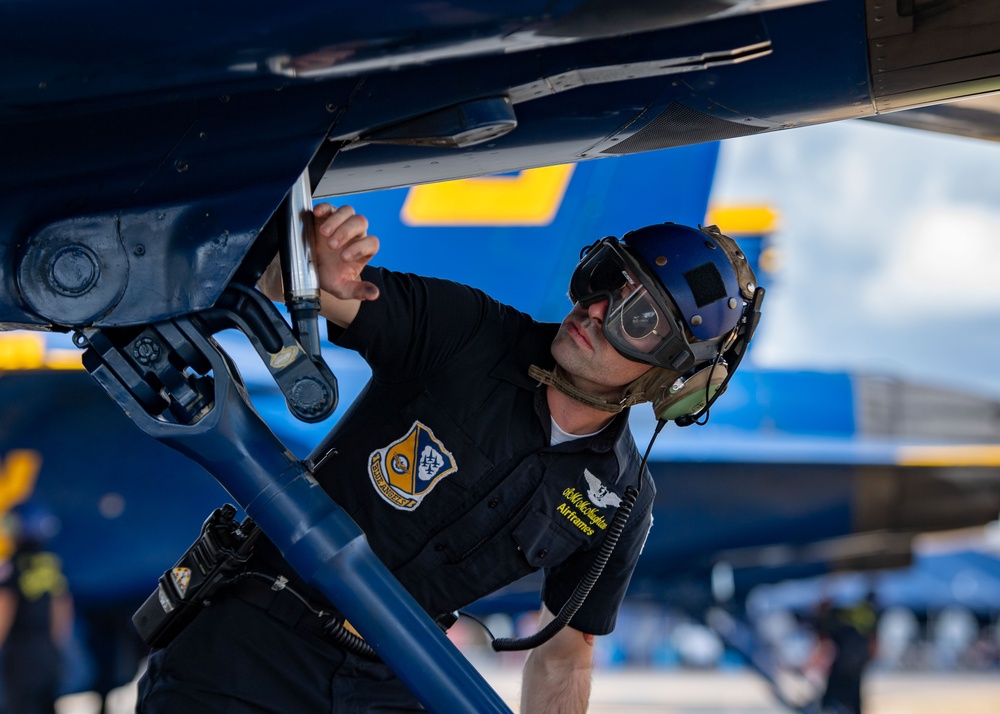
(146, 351)
(74, 270)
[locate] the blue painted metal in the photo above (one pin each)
(177, 135)
(766, 504)
(314, 534)
(602, 198)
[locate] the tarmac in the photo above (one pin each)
(743, 692)
(633, 691)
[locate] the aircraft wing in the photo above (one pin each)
(977, 118)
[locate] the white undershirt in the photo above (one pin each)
(560, 437)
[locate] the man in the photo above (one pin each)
(485, 447)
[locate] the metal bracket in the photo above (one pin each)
(310, 388)
(164, 372)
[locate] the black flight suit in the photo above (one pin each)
(444, 461)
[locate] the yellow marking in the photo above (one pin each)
(958, 455)
(41, 573)
(350, 628)
(750, 220)
(63, 359)
(19, 350)
(18, 475)
(532, 198)
(26, 350)
(406, 452)
(284, 357)
(383, 486)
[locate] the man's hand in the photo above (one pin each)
(342, 248)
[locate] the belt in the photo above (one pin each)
(269, 593)
(284, 605)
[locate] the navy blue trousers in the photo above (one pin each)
(234, 658)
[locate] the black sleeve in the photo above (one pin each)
(416, 324)
(599, 612)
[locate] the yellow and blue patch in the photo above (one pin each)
(182, 578)
(406, 470)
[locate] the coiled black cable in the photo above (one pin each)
(349, 641)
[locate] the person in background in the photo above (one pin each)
(36, 614)
(848, 637)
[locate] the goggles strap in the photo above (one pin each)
(557, 379)
(651, 386)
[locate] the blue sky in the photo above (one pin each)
(890, 250)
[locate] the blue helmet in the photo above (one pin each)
(676, 295)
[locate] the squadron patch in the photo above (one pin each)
(182, 578)
(407, 469)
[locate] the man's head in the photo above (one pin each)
(662, 315)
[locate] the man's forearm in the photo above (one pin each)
(557, 674)
(548, 688)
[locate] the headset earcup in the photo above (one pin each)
(692, 396)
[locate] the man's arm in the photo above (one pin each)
(557, 674)
(342, 248)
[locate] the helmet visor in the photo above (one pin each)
(640, 321)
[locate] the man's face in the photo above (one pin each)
(586, 356)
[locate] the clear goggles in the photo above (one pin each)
(640, 322)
